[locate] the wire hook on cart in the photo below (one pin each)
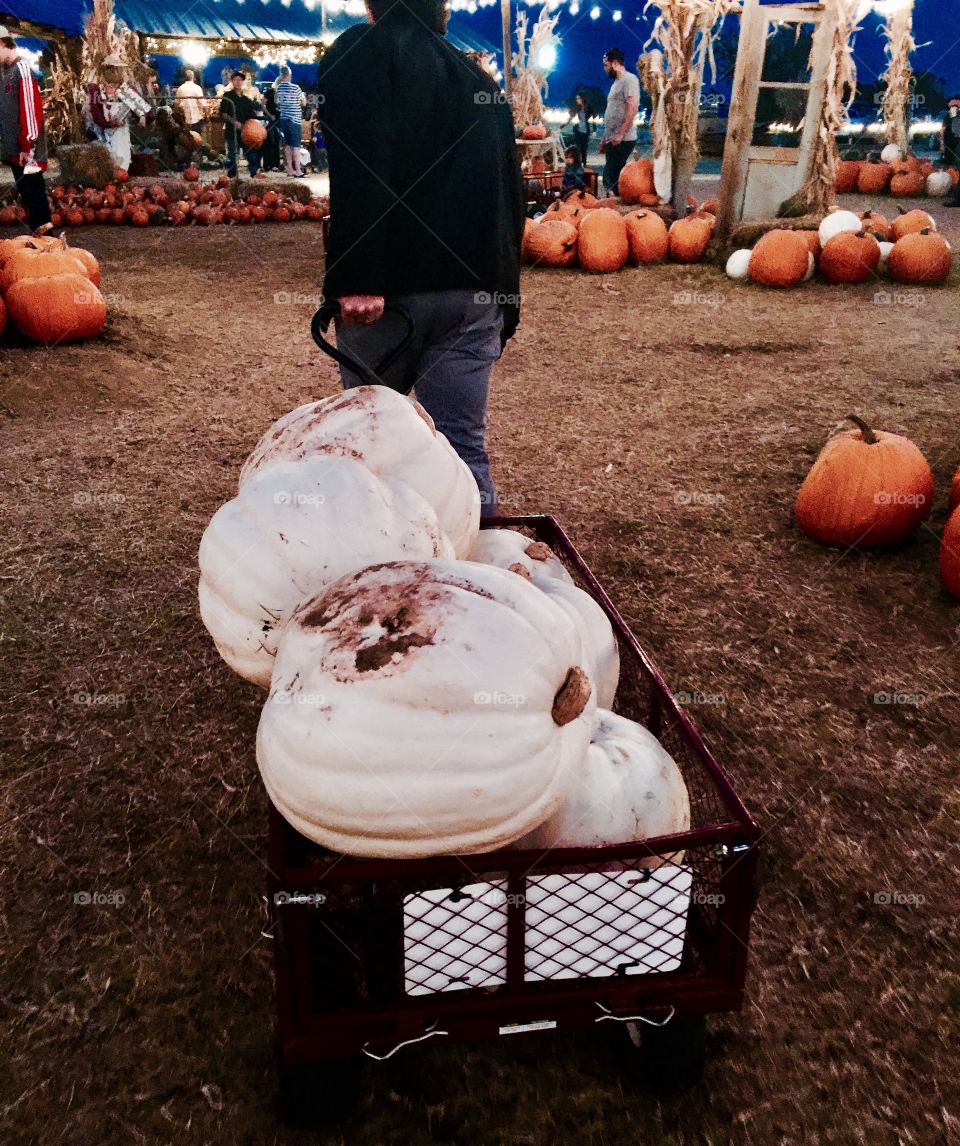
(427, 1034)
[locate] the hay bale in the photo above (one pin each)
(85, 164)
(295, 188)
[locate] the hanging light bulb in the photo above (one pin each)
(594, 13)
(618, 15)
(547, 57)
(574, 8)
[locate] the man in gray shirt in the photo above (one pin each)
(619, 121)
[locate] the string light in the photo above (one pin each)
(594, 13)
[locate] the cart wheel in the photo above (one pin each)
(672, 1057)
(314, 1095)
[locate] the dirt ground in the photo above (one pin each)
(667, 417)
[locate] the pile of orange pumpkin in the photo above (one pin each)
(903, 178)
(50, 290)
(586, 231)
(150, 206)
(849, 248)
(868, 489)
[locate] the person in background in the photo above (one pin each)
(581, 132)
(951, 146)
(290, 104)
(110, 114)
(270, 152)
(235, 109)
(428, 220)
(573, 170)
(21, 131)
(190, 96)
(619, 121)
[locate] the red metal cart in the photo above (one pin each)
(375, 955)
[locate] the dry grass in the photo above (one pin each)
(670, 436)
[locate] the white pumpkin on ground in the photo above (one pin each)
(738, 265)
(394, 437)
(837, 222)
(885, 249)
(535, 561)
(891, 154)
(628, 788)
(939, 183)
(425, 709)
(288, 533)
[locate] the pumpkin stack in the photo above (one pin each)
(51, 290)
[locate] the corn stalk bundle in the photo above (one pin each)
(104, 35)
(64, 101)
(817, 194)
(898, 31)
(530, 86)
(684, 32)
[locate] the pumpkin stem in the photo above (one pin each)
(866, 433)
(42, 230)
(901, 210)
(572, 697)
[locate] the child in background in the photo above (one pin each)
(573, 170)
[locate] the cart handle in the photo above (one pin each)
(608, 1014)
(428, 1034)
(321, 324)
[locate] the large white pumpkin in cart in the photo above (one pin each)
(628, 788)
(425, 709)
(535, 561)
(291, 531)
(390, 434)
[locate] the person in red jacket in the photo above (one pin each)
(21, 130)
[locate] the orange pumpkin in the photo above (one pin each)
(648, 237)
(551, 243)
(910, 222)
(874, 178)
(780, 259)
(32, 262)
(636, 180)
(60, 308)
(534, 131)
(120, 175)
(38, 241)
(876, 225)
(867, 488)
(812, 239)
(950, 553)
(920, 257)
(192, 174)
(253, 135)
(603, 245)
(689, 239)
(850, 257)
(569, 210)
(908, 184)
(583, 199)
(847, 174)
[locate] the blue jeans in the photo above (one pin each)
(252, 157)
(448, 364)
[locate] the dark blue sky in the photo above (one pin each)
(585, 40)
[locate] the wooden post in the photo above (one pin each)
(507, 37)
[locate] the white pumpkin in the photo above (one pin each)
(891, 154)
(739, 264)
(425, 709)
(291, 531)
(837, 222)
(394, 437)
(939, 183)
(629, 788)
(535, 561)
(885, 249)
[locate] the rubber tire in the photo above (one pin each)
(671, 1059)
(317, 1094)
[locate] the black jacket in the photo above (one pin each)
(425, 188)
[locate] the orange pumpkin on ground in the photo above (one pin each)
(192, 174)
(569, 210)
(39, 240)
(31, 262)
(689, 239)
(636, 180)
(552, 243)
(874, 178)
(61, 308)
(780, 259)
(920, 257)
(603, 245)
(583, 199)
(647, 236)
(847, 173)
(950, 553)
(908, 184)
(910, 222)
(850, 257)
(867, 488)
(876, 225)
(812, 239)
